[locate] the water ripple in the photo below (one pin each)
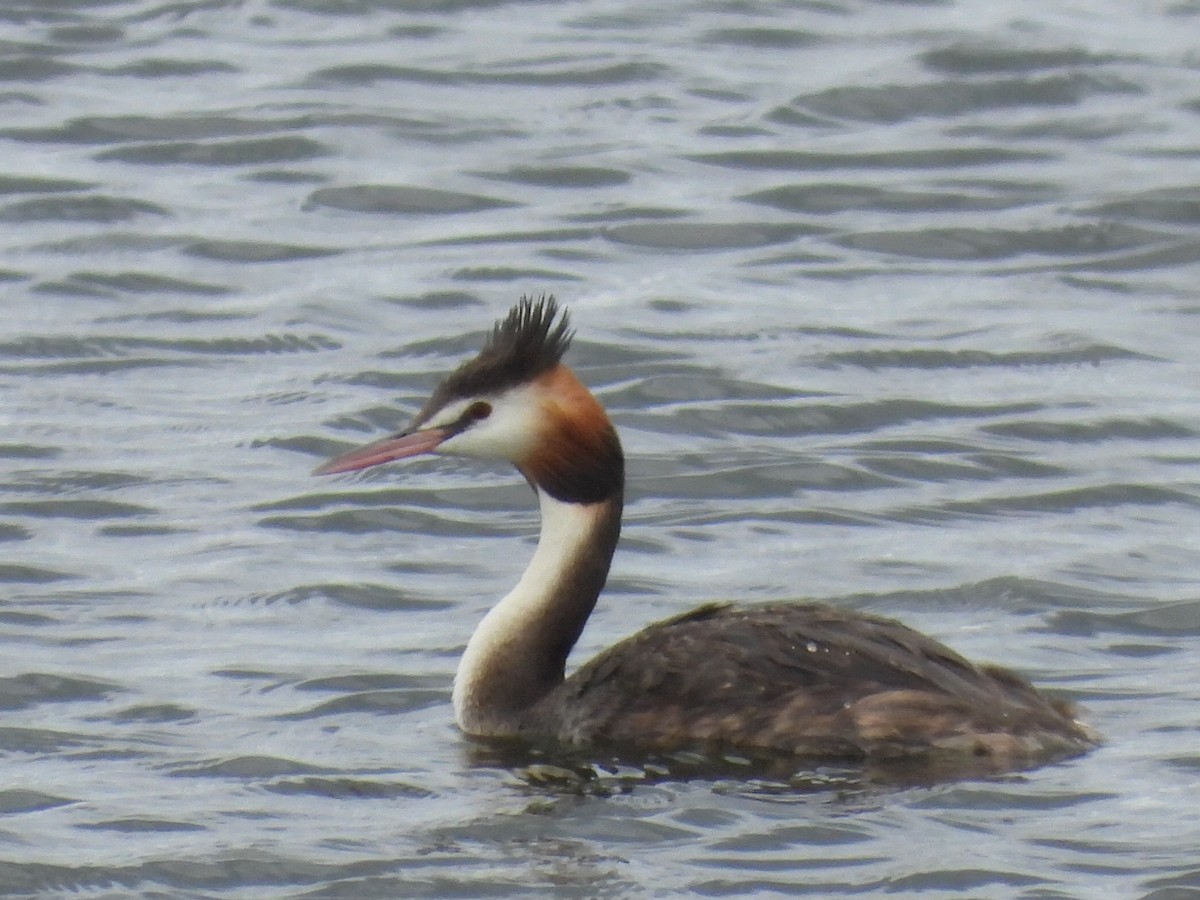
(972, 58)
(810, 161)
(838, 197)
(91, 208)
(246, 251)
(552, 72)
(35, 688)
(897, 103)
(1167, 620)
(95, 347)
(1069, 500)
(122, 129)
(992, 243)
(1148, 429)
(223, 153)
(401, 199)
(893, 304)
(1093, 354)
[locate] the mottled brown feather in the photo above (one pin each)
(806, 679)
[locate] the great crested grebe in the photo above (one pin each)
(803, 678)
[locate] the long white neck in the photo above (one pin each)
(518, 652)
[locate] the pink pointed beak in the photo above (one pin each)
(392, 448)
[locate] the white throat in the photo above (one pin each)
(502, 639)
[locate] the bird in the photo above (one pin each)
(806, 679)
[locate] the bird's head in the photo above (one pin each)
(514, 401)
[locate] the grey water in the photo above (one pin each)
(895, 305)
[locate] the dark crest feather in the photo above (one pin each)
(530, 340)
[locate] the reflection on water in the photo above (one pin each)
(894, 305)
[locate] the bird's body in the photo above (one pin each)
(800, 678)
(806, 679)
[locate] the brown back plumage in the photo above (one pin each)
(806, 679)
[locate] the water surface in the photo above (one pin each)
(894, 305)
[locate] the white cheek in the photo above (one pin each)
(510, 432)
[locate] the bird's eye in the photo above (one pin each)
(480, 409)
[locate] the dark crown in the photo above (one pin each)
(524, 344)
